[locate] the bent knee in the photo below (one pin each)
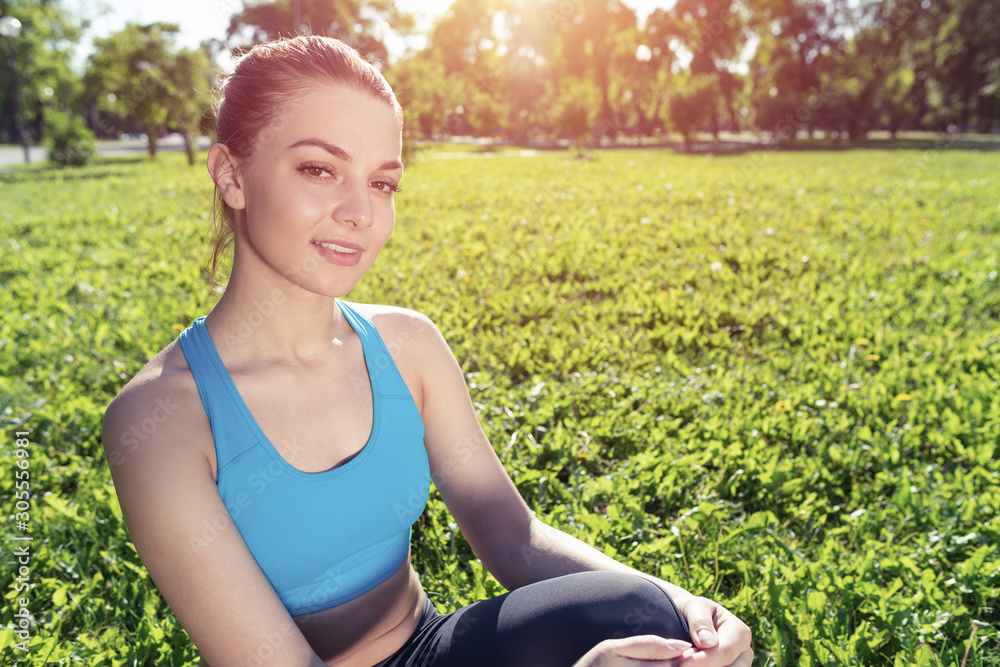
(634, 605)
(603, 604)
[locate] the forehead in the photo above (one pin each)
(355, 120)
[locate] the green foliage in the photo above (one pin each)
(188, 101)
(893, 64)
(355, 22)
(138, 75)
(41, 54)
(770, 378)
(69, 142)
(425, 108)
(575, 108)
(692, 104)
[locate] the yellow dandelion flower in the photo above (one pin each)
(925, 222)
(903, 398)
(716, 218)
(177, 327)
(782, 406)
(861, 341)
(872, 357)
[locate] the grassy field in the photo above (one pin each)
(771, 378)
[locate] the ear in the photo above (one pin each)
(223, 167)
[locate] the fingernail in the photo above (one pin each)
(707, 638)
(678, 644)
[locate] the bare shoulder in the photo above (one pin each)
(417, 347)
(158, 412)
(406, 333)
(158, 442)
(396, 322)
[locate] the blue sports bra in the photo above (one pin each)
(321, 538)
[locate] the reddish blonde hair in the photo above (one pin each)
(266, 79)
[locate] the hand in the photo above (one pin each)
(638, 651)
(722, 639)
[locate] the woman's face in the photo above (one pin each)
(319, 190)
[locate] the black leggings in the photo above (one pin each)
(548, 624)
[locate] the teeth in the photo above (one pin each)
(338, 248)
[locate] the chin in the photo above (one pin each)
(332, 290)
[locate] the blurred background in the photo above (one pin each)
(585, 72)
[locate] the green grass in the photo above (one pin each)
(770, 378)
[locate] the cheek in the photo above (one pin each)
(390, 222)
(284, 204)
(309, 204)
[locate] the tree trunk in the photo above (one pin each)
(151, 138)
(189, 148)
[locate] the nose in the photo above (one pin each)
(354, 203)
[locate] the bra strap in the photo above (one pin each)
(231, 434)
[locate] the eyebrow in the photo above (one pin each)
(341, 154)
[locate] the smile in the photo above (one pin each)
(338, 248)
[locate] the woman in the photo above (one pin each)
(297, 434)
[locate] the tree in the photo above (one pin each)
(711, 33)
(186, 104)
(871, 56)
(420, 86)
(34, 66)
(466, 44)
(69, 142)
(574, 110)
(136, 74)
(694, 102)
(796, 43)
(588, 46)
(961, 36)
(657, 66)
(360, 24)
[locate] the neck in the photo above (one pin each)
(268, 316)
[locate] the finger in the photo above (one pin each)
(698, 613)
(735, 637)
(717, 657)
(713, 658)
(650, 647)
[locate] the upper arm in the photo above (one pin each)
(466, 470)
(187, 539)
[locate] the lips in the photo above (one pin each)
(339, 253)
(338, 247)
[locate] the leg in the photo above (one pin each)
(548, 624)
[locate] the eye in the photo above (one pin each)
(315, 170)
(385, 187)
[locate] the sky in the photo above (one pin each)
(204, 19)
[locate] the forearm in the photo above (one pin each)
(548, 552)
